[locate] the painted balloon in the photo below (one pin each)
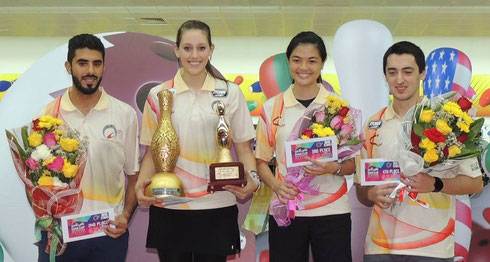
(358, 49)
(480, 240)
(462, 230)
(274, 76)
(448, 69)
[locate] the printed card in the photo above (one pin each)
(378, 171)
(323, 149)
(86, 225)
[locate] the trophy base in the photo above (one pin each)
(164, 184)
(228, 173)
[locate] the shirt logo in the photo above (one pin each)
(110, 132)
(475, 166)
(375, 124)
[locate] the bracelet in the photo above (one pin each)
(255, 177)
(338, 171)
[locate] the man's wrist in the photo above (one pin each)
(438, 185)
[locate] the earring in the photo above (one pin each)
(209, 58)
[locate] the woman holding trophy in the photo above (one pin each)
(310, 205)
(207, 114)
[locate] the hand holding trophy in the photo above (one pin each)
(165, 152)
(224, 171)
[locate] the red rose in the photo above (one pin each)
(464, 103)
(35, 125)
(308, 133)
(462, 138)
(343, 111)
(434, 135)
(415, 139)
(445, 151)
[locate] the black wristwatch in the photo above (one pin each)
(438, 184)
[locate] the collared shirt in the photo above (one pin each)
(328, 184)
(408, 228)
(113, 150)
(195, 120)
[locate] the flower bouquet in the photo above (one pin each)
(49, 158)
(334, 118)
(438, 134)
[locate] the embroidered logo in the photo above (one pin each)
(110, 132)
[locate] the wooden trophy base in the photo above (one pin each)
(228, 173)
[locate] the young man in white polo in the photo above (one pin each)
(112, 130)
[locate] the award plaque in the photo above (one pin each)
(165, 152)
(224, 171)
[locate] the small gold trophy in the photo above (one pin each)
(165, 152)
(224, 171)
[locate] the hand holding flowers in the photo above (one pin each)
(437, 134)
(334, 118)
(442, 129)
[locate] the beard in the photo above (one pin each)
(90, 89)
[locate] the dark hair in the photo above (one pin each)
(199, 25)
(84, 41)
(308, 37)
(405, 47)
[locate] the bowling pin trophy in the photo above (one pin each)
(165, 152)
(224, 171)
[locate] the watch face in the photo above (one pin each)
(438, 185)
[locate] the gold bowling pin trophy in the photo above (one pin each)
(165, 152)
(224, 171)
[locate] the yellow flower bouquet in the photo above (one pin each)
(442, 131)
(49, 158)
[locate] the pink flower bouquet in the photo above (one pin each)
(50, 159)
(334, 118)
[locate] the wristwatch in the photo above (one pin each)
(438, 185)
(255, 177)
(340, 168)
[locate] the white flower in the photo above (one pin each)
(42, 152)
(57, 182)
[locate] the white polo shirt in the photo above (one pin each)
(407, 228)
(195, 121)
(112, 130)
(321, 204)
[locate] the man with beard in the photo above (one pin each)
(112, 130)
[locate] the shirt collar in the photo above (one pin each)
(290, 99)
(181, 86)
(67, 104)
(390, 112)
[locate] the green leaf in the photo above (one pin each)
(73, 158)
(475, 128)
(418, 129)
(466, 153)
(469, 145)
(24, 136)
(353, 142)
(21, 150)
